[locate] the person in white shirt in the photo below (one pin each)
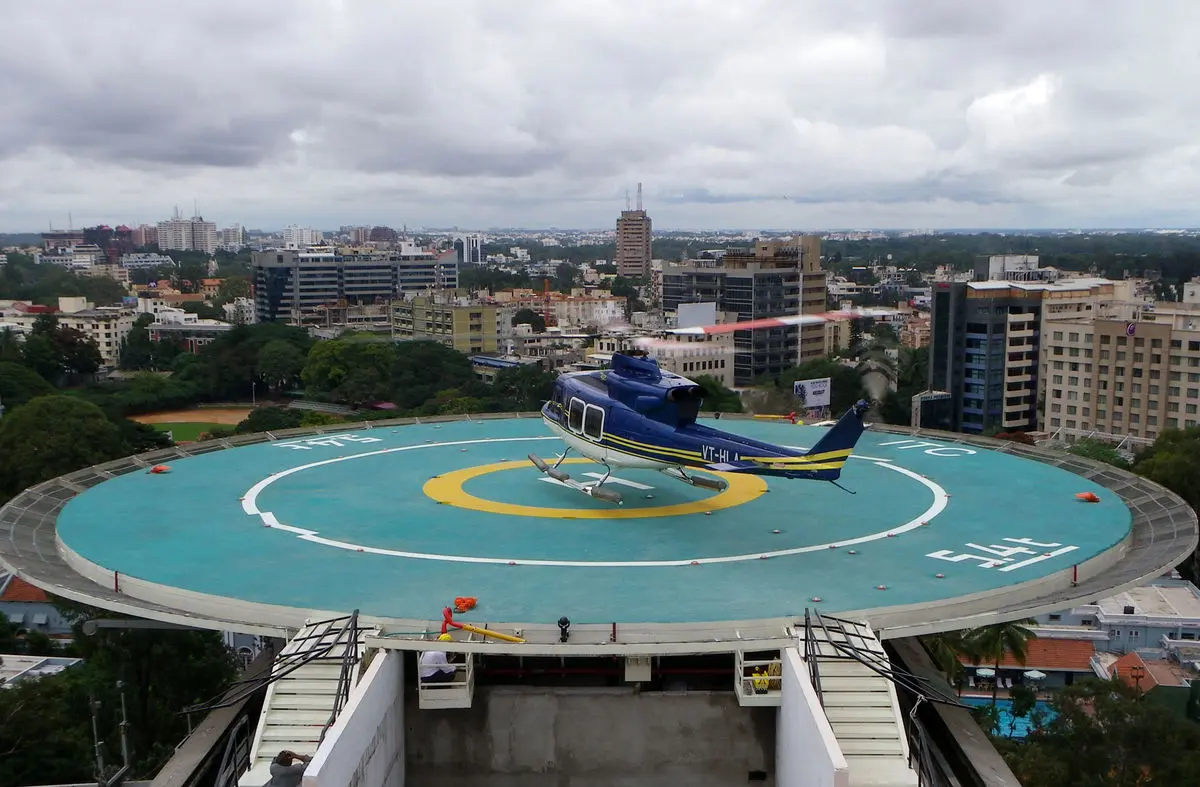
(434, 667)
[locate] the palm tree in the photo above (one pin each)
(946, 650)
(991, 643)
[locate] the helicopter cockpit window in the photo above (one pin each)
(593, 423)
(575, 416)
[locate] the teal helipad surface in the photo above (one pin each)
(397, 522)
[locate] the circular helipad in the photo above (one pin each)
(398, 521)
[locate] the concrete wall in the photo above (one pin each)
(808, 754)
(590, 737)
(365, 746)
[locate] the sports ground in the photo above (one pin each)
(398, 521)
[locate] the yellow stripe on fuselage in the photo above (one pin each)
(658, 449)
(824, 456)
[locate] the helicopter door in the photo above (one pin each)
(593, 423)
(575, 416)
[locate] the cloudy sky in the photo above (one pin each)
(536, 113)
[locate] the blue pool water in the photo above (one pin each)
(1006, 727)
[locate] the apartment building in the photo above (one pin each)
(771, 279)
(582, 307)
(986, 347)
(467, 327)
(1129, 372)
(295, 286)
(107, 326)
(689, 356)
(194, 234)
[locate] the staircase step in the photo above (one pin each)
(856, 699)
(316, 670)
(316, 702)
(835, 683)
(859, 713)
(882, 731)
(845, 669)
(300, 718)
(880, 748)
(286, 686)
(307, 735)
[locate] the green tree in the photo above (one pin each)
(19, 384)
(41, 355)
(270, 419)
(523, 388)
(1104, 735)
(947, 650)
(718, 398)
(423, 369)
(1099, 451)
(1174, 461)
(279, 364)
(10, 346)
(53, 435)
(352, 370)
(530, 317)
(988, 644)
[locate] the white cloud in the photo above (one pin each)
(761, 113)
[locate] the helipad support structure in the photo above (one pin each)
(398, 518)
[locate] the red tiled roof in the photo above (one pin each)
(20, 590)
(1155, 672)
(1069, 655)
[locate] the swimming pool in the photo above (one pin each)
(1006, 725)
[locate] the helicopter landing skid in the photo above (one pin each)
(706, 483)
(593, 489)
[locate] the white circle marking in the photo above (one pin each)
(249, 505)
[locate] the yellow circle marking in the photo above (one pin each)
(448, 489)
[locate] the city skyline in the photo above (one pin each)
(878, 115)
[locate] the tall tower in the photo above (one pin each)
(633, 240)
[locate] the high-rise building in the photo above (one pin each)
(985, 347)
(469, 249)
(1128, 372)
(773, 279)
(194, 234)
(634, 232)
(292, 285)
(296, 237)
(233, 238)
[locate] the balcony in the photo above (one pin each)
(457, 693)
(758, 681)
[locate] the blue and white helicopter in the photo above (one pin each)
(635, 415)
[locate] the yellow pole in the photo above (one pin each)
(487, 633)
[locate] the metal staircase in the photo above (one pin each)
(856, 683)
(307, 686)
(311, 681)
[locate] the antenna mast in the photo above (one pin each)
(627, 205)
(639, 207)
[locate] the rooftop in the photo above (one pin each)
(13, 588)
(1064, 285)
(1156, 601)
(15, 668)
(1061, 655)
(1155, 672)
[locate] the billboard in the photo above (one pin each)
(813, 393)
